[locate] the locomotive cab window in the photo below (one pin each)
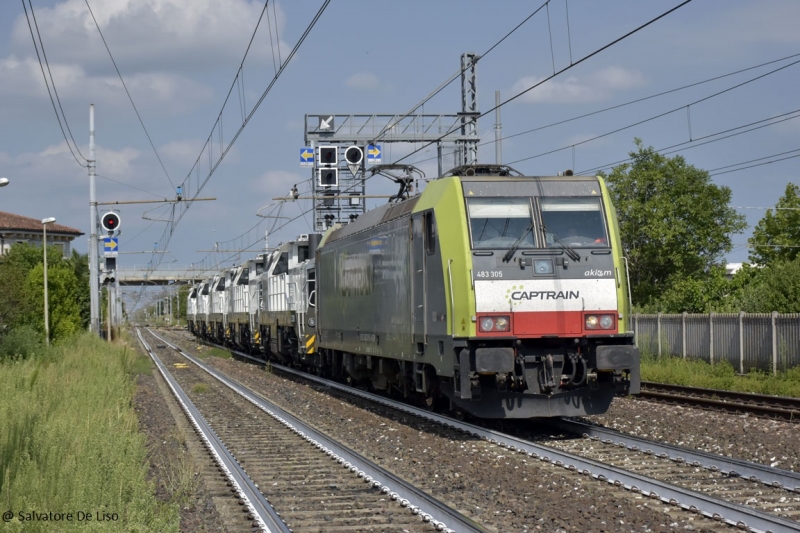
(282, 265)
(574, 222)
(500, 222)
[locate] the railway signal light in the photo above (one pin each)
(328, 155)
(328, 177)
(354, 156)
(110, 271)
(110, 222)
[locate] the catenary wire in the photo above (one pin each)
(458, 73)
(756, 165)
(169, 227)
(660, 115)
(565, 69)
(674, 148)
(50, 94)
(611, 108)
(131, 186)
(124, 86)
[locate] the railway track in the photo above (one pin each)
(312, 482)
(737, 493)
(779, 407)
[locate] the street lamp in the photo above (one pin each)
(45, 222)
(3, 182)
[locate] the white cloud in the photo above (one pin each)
(595, 87)
(363, 81)
(152, 34)
(164, 93)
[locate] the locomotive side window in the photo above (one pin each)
(499, 222)
(312, 288)
(302, 253)
(430, 233)
(574, 222)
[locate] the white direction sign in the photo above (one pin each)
(325, 123)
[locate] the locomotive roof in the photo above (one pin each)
(373, 217)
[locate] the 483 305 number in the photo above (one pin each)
(489, 274)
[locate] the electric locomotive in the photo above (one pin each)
(505, 294)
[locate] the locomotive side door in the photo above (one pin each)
(418, 277)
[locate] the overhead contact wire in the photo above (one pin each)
(130, 98)
(47, 85)
(565, 69)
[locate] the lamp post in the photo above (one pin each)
(45, 222)
(3, 182)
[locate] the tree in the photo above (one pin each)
(62, 291)
(22, 288)
(675, 224)
(775, 287)
(80, 265)
(14, 269)
(698, 295)
(776, 237)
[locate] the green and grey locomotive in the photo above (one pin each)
(505, 294)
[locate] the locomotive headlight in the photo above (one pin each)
(494, 323)
(501, 323)
(599, 321)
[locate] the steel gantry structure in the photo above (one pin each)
(335, 142)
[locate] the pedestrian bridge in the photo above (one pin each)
(161, 276)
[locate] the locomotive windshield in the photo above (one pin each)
(574, 222)
(498, 222)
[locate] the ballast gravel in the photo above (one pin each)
(512, 492)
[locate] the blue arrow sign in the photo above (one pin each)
(374, 153)
(110, 246)
(306, 157)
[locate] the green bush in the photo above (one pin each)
(21, 342)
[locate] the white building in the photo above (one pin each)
(17, 228)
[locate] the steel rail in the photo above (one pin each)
(264, 514)
(431, 510)
(760, 404)
(774, 477)
(731, 513)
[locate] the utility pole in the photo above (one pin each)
(94, 276)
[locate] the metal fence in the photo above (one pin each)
(748, 341)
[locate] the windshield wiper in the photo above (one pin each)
(510, 253)
(569, 251)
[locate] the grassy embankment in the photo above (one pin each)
(721, 375)
(70, 440)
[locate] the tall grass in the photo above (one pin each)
(721, 375)
(70, 442)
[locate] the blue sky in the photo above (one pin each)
(179, 58)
